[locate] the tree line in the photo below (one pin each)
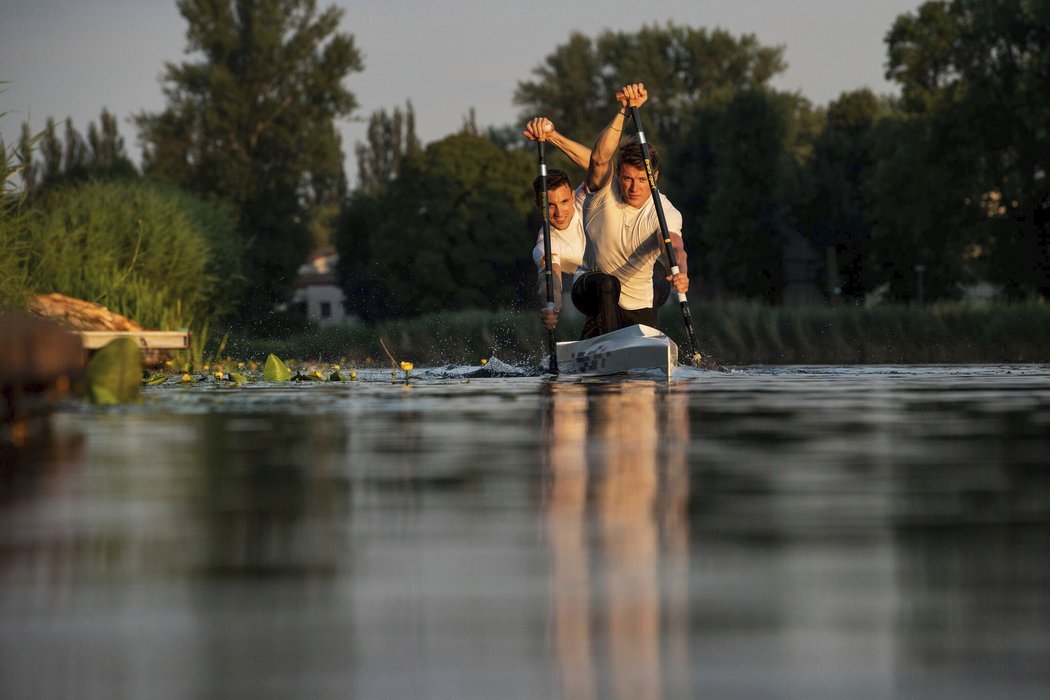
(948, 177)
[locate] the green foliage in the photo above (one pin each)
(735, 175)
(737, 333)
(973, 75)
(14, 247)
(449, 233)
(157, 255)
(391, 139)
(114, 373)
(742, 333)
(837, 213)
(275, 370)
(101, 156)
(682, 67)
(253, 122)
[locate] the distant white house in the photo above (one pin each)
(317, 292)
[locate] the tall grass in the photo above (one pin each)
(732, 333)
(14, 248)
(157, 255)
(741, 333)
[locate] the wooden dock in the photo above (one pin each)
(42, 361)
(147, 340)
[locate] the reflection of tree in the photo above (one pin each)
(619, 585)
(260, 494)
(972, 565)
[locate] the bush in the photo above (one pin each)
(158, 255)
(13, 247)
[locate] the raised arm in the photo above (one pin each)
(542, 128)
(601, 166)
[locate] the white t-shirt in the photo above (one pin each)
(568, 244)
(625, 242)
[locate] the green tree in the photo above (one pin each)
(749, 211)
(101, 156)
(838, 218)
(918, 190)
(25, 155)
(391, 138)
(450, 232)
(253, 122)
(51, 152)
(978, 70)
(680, 66)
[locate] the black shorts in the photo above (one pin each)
(597, 296)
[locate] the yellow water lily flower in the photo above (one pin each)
(484, 362)
(407, 366)
(186, 378)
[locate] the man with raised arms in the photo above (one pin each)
(622, 227)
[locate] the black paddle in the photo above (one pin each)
(552, 365)
(696, 358)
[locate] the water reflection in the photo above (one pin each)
(269, 496)
(616, 522)
(863, 533)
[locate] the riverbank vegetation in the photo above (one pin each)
(737, 333)
(149, 252)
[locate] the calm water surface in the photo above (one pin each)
(873, 532)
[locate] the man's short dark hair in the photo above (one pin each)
(555, 178)
(631, 154)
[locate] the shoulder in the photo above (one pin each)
(671, 213)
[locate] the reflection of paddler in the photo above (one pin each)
(626, 497)
(566, 509)
(639, 482)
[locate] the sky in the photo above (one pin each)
(72, 58)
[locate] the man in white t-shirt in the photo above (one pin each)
(568, 240)
(622, 227)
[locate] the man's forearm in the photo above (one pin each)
(680, 257)
(577, 152)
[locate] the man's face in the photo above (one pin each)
(560, 206)
(634, 185)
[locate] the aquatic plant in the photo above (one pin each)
(113, 374)
(275, 370)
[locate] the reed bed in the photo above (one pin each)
(734, 333)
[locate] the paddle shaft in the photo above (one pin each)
(664, 232)
(548, 265)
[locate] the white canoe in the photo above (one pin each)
(635, 348)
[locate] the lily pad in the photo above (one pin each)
(275, 370)
(114, 373)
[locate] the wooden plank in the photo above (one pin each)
(147, 340)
